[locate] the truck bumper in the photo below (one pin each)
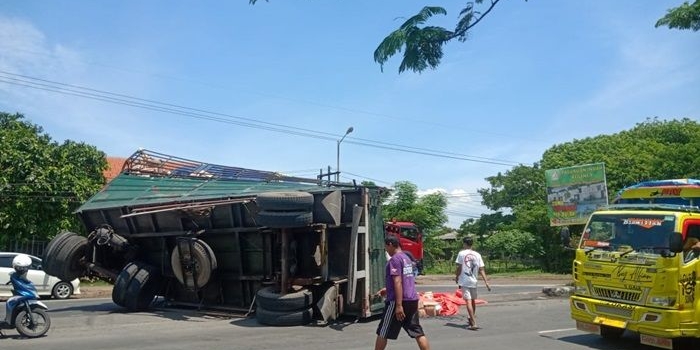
(656, 326)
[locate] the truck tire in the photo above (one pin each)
(204, 262)
(122, 283)
(49, 263)
(285, 219)
(51, 247)
(285, 201)
(65, 263)
(284, 318)
(270, 299)
(142, 288)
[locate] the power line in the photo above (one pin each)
(460, 214)
(127, 100)
(247, 90)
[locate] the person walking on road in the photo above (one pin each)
(469, 264)
(401, 306)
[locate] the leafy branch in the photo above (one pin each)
(422, 46)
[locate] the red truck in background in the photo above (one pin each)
(410, 237)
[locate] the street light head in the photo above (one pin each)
(350, 129)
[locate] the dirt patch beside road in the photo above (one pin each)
(94, 292)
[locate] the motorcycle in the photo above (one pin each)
(29, 316)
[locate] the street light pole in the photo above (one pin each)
(337, 154)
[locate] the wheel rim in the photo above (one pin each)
(62, 290)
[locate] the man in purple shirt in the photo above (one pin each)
(401, 308)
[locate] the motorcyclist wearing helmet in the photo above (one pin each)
(23, 288)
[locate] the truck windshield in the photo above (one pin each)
(410, 233)
(641, 233)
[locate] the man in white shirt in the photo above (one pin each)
(469, 264)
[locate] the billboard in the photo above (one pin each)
(573, 193)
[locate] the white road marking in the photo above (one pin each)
(557, 330)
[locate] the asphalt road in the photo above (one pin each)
(98, 324)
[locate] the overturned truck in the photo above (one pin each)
(211, 236)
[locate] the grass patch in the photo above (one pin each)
(94, 282)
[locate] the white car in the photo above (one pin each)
(45, 284)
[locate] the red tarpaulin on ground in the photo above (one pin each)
(449, 303)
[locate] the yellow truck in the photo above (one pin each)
(637, 266)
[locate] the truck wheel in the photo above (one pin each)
(204, 262)
(284, 219)
(122, 283)
(608, 332)
(62, 290)
(283, 318)
(49, 262)
(285, 201)
(142, 288)
(270, 299)
(51, 247)
(66, 262)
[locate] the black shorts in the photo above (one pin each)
(389, 327)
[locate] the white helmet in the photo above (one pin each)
(21, 263)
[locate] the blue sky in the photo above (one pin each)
(532, 74)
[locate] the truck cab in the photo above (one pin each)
(634, 269)
(410, 237)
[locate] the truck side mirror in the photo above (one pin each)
(675, 242)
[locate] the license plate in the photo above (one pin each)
(665, 343)
(588, 327)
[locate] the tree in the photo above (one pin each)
(653, 149)
(42, 182)
(428, 212)
(422, 45)
(511, 245)
(686, 16)
(485, 225)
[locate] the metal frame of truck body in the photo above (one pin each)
(344, 249)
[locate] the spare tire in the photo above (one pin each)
(289, 201)
(285, 219)
(269, 298)
(203, 259)
(284, 318)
